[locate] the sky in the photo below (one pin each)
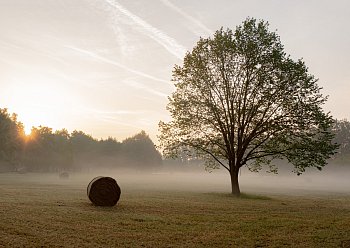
(105, 66)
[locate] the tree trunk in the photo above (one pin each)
(234, 182)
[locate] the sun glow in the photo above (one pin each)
(39, 101)
(27, 130)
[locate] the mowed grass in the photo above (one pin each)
(38, 211)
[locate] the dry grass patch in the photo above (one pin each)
(48, 214)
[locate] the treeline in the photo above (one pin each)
(48, 151)
(340, 129)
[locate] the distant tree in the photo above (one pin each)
(109, 153)
(109, 147)
(82, 142)
(11, 138)
(84, 148)
(140, 151)
(341, 129)
(63, 150)
(39, 149)
(240, 100)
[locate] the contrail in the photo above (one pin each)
(188, 17)
(118, 117)
(30, 50)
(158, 36)
(137, 85)
(109, 61)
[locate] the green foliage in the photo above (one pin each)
(48, 151)
(240, 100)
(11, 137)
(341, 130)
(140, 150)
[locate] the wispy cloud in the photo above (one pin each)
(170, 44)
(31, 48)
(109, 61)
(119, 112)
(141, 86)
(190, 18)
(126, 118)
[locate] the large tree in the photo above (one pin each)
(241, 100)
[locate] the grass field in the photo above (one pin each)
(43, 211)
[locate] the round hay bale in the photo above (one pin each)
(22, 170)
(64, 175)
(103, 191)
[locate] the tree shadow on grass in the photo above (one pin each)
(242, 196)
(254, 197)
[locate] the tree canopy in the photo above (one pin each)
(341, 130)
(11, 137)
(45, 150)
(241, 100)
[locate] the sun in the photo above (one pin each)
(27, 130)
